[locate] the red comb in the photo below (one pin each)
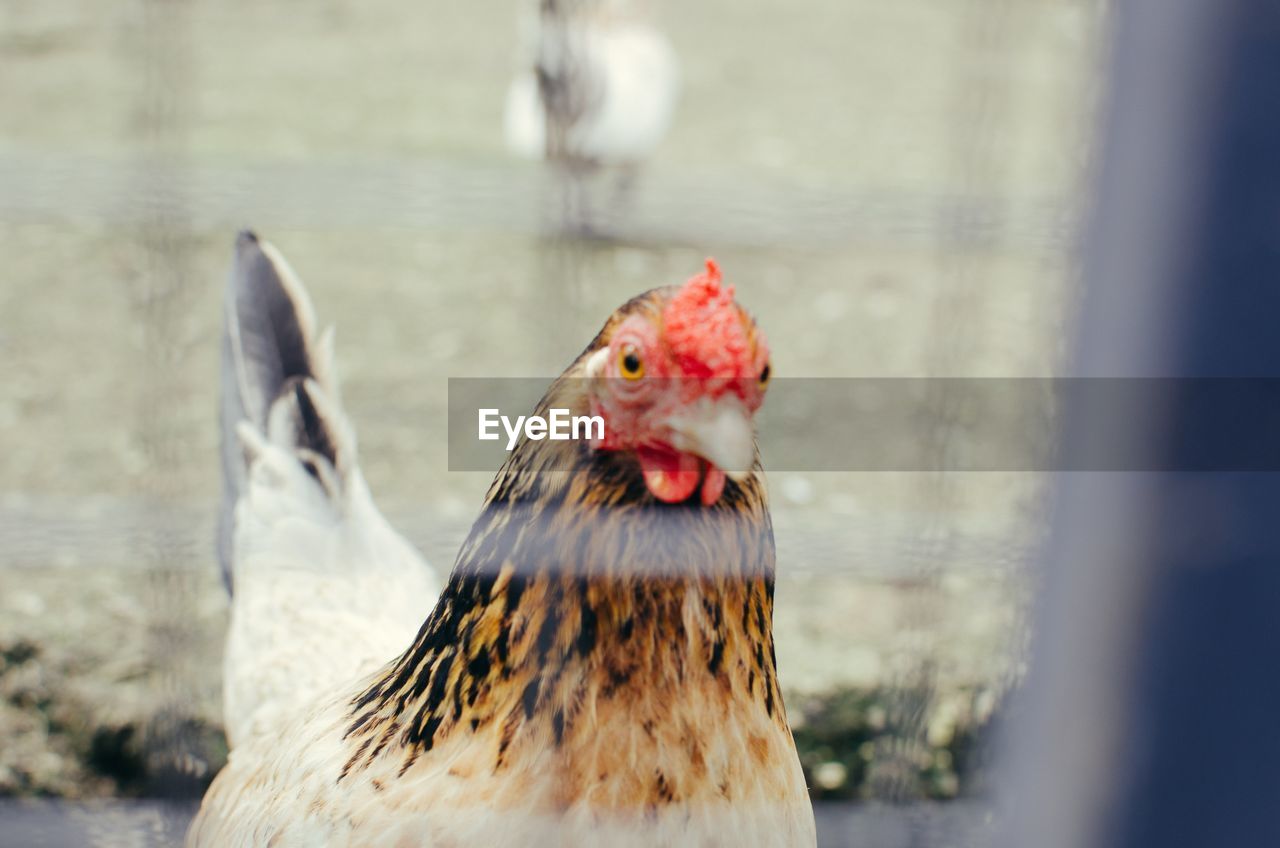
(704, 328)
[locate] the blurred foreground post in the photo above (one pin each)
(1152, 714)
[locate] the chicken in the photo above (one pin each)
(304, 551)
(600, 91)
(599, 668)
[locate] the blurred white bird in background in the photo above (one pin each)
(597, 91)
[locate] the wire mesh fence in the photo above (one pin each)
(893, 191)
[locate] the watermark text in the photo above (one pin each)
(559, 426)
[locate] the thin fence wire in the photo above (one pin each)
(161, 196)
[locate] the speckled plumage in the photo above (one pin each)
(599, 670)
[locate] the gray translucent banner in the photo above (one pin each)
(955, 424)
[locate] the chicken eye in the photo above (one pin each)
(765, 374)
(629, 363)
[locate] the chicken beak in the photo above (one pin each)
(720, 431)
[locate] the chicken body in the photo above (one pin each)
(599, 670)
(649, 745)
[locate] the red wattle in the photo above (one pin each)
(670, 477)
(712, 485)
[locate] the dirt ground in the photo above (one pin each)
(891, 187)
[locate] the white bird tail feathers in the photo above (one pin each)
(277, 382)
(324, 590)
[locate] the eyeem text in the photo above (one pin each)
(560, 426)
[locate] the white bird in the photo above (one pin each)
(306, 554)
(599, 90)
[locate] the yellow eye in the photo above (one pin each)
(629, 363)
(765, 374)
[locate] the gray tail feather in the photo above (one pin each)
(271, 357)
